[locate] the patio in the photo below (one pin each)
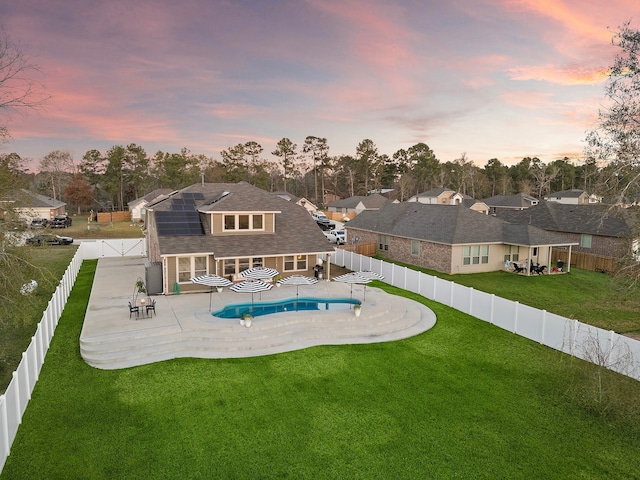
(184, 327)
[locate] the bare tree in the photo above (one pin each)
(18, 88)
(616, 138)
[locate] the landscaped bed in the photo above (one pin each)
(465, 399)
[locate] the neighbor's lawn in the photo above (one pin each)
(102, 230)
(465, 400)
(591, 297)
(15, 335)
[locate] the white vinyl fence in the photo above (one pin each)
(602, 347)
(13, 402)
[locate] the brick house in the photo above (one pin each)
(452, 239)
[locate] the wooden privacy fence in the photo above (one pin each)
(368, 249)
(585, 261)
(108, 217)
(620, 353)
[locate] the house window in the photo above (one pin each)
(230, 266)
(189, 267)
(257, 262)
(244, 222)
(511, 253)
(383, 242)
(585, 241)
(415, 247)
(295, 262)
(243, 264)
(475, 254)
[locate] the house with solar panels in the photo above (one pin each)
(225, 228)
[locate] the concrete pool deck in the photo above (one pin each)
(184, 327)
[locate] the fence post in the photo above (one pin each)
(470, 301)
(4, 419)
(515, 320)
(493, 298)
(451, 293)
(544, 326)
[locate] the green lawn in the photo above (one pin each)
(463, 400)
(17, 330)
(591, 297)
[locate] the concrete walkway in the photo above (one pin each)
(184, 327)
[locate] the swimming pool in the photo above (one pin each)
(237, 310)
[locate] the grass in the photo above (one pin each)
(15, 332)
(593, 298)
(100, 230)
(463, 400)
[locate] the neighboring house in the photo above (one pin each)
(445, 196)
(303, 202)
(452, 239)
(138, 206)
(519, 201)
(225, 228)
(573, 197)
(30, 205)
(597, 229)
(352, 206)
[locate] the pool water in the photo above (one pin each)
(237, 310)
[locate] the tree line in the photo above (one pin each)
(124, 173)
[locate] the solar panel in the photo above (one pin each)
(186, 222)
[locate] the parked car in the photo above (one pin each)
(61, 221)
(339, 237)
(49, 239)
(39, 223)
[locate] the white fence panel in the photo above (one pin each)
(386, 270)
(482, 305)
(529, 323)
(504, 313)
(427, 286)
(116, 247)
(414, 280)
(376, 266)
(555, 332)
(443, 291)
(461, 298)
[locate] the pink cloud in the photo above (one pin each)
(572, 75)
(529, 99)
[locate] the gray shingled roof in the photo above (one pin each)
(28, 199)
(375, 200)
(582, 219)
(519, 200)
(450, 225)
(296, 232)
(573, 193)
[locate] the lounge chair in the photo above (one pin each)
(518, 269)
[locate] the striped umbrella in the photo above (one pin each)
(259, 273)
(211, 280)
(371, 275)
(251, 286)
(352, 278)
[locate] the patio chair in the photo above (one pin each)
(539, 269)
(133, 309)
(517, 268)
(151, 307)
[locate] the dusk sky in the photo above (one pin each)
(500, 79)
